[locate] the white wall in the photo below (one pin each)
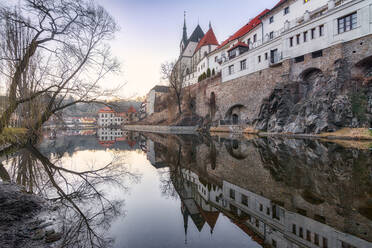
(330, 38)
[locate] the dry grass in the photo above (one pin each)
(351, 133)
(12, 135)
(250, 130)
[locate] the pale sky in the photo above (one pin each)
(151, 30)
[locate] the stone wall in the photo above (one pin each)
(244, 96)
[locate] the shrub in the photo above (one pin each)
(213, 72)
(209, 72)
(359, 105)
(204, 75)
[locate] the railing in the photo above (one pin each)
(276, 58)
(230, 122)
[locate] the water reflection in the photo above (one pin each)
(77, 191)
(201, 191)
(282, 193)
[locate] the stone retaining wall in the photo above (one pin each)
(162, 129)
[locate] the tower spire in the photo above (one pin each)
(210, 25)
(184, 36)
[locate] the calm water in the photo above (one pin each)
(119, 189)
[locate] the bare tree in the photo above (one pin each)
(173, 72)
(53, 50)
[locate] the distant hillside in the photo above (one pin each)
(91, 109)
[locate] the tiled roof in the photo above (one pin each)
(245, 29)
(208, 39)
(106, 110)
(239, 44)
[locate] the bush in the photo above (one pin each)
(359, 105)
(204, 75)
(213, 72)
(209, 72)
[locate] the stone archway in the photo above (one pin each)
(363, 69)
(309, 73)
(235, 114)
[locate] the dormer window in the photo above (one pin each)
(271, 20)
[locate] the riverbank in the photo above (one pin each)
(342, 134)
(26, 220)
(162, 129)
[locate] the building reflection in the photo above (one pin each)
(242, 180)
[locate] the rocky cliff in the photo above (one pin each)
(319, 103)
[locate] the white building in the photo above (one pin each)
(297, 27)
(108, 117)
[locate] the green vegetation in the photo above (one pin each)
(209, 72)
(213, 72)
(359, 105)
(12, 135)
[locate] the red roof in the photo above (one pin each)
(208, 39)
(132, 110)
(245, 29)
(106, 110)
(239, 44)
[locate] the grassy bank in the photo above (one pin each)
(350, 133)
(12, 135)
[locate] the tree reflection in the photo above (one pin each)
(82, 203)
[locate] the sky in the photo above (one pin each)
(151, 30)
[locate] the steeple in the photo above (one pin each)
(184, 36)
(210, 25)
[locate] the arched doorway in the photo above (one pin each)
(235, 114)
(235, 119)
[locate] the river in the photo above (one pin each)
(123, 189)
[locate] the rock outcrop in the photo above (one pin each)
(318, 103)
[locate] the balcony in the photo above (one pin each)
(276, 59)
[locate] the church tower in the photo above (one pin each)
(184, 35)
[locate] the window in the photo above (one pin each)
(215, 59)
(257, 223)
(294, 229)
(325, 242)
(271, 20)
(347, 23)
(298, 39)
(321, 30)
(316, 239)
(266, 56)
(243, 64)
(286, 10)
(249, 42)
(261, 207)
(271, 35)
(291, 42)
(313, 33)
(245, 200)
(308, 235)
(231, 69)
(232, 192)
(301, 233)
(299, 59)
(255, 38)
(305, 36)
(317, 54)
(268, 211)
(259, 59)
(274, 243)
